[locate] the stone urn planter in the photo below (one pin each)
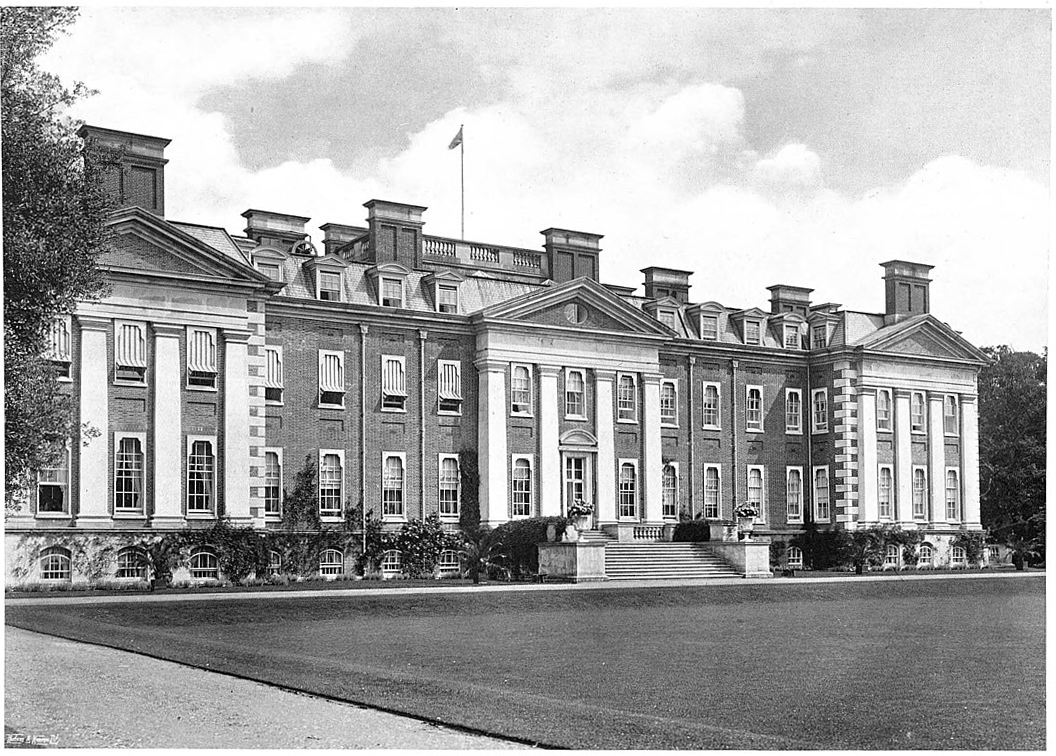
(745, 525)
(583, 522)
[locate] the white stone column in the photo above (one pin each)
(94, 473)
(936, 459)
(867, 459)
(651, 449)
(168, 442)
(549, 471)
(606, 466)
(236, 426)
(491, 441)
(903, 459)
(970, 461)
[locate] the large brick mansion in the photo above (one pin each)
(217, 363)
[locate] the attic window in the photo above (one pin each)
(329, 286)
(576, 313)
(667, 317)
(392, 292)
(751, 332)
(819, 337)
(271, 270)
(791, 336)
(447, 298)
(709, 327)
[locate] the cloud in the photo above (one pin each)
(793, 166)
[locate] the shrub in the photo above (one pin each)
(518, 542)
(692, 531)
(777, 554)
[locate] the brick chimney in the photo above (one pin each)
(395, 232)
(906, 289)
(571, 254)
(667, 282)
(133, 166)
(784, 298)
(336, 235)
(285, 232)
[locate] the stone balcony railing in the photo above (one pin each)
(484, 256)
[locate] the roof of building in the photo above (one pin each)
(215, 237)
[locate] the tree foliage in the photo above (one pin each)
(53, 232)
(1012, 444)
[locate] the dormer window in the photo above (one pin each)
(667, 317)
(819, 337)
(329, 283)
(447, 298)
(709, 327)
(752, 332)
(392, 292)
(271, 270)
(792, 336)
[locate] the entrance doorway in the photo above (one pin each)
(579, 479)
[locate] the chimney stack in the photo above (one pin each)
(571, 254)
(667, 282)
(906, 289)
(784, 298)
(395, 232)
(133, 166)
(285, 232)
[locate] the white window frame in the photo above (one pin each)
(815, 499)
(665, 315)
(201, 514)
(447, 286)
(892, 556)
(761, 517)
(921, 560)
(402, 515)
(758, 324)
(65, 486)
(274, 562)
(706, 334)
(391, 563)
(956, 416)
(620, 409)
(275, 265)
(513, 378)
(824, 329)
(398, 393)
(890, 492)
(663, 490)
(448, 563)
(619, 493)
(64, 560)
(331, 568)
(210, 554)
(957, 516)
(583, 394)
(277, 451)
(671, 422)
(791, 329)
(441, 458)
(958, 556)
(884, 424)
(59, 346)
(925, 497)
(514, 459)
(923, 425)
(749, 426)
(797, 429)
(382, 280)
(328, 514)
(718, 405)
(124, 360)
(319, 285)
(131, 564)
(273, 382)
(815, 426)
(456, 395)
(789, 517)
(139, 511)
(332, 389)
(718, 491)
(795, 558)
(203, 368)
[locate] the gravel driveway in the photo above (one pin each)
(79, 695)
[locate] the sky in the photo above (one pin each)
(753, 147)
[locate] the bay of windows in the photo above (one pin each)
(331, 563)
(204, 565)
(131, 563)
(57, 345)
(55, 563)
(273, 381)
(709, 327)
(329, 286)
(392, 292)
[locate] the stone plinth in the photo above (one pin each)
(750, 558)
(576, 561)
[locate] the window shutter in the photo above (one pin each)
(273, 371)
(393, 378)
(131, 346)
(450, 381)
(201, 352)
(331, 373)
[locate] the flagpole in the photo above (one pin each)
(462, 162)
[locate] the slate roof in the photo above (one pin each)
(215, 237)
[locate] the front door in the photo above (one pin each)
(579, 485)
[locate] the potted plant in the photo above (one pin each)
(580, 511)
(746, 514)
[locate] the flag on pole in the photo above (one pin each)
(457, 140)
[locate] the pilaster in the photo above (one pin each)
(903, 460)
(970, 461)
(867, 459)
(93, 509)
(606, 467)
(936, 459)
(549, 432)
(491, 441)
(236, 426)
(168, 446)
(651, 448)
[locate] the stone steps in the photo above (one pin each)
(652, 561)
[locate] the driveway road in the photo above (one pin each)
(79, 695)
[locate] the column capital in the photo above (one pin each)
(235, 336)
(167, 330)
(549, 369)
(692, 359)
(652, 379)
(93, 323)
(422, 334)
(937, 396)
(363, 329)
(868, 391)
(968, 398)
(489, 365)
(604, 375)
(903, 393)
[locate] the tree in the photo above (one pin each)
(54, 212)
(1012, 445)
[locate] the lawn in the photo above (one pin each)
(841, 665)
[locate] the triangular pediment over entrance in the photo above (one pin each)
(146, 245)
(582, 304)
(922, 336)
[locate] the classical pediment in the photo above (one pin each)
(923, 336)
(146, 245)
(582, 304)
